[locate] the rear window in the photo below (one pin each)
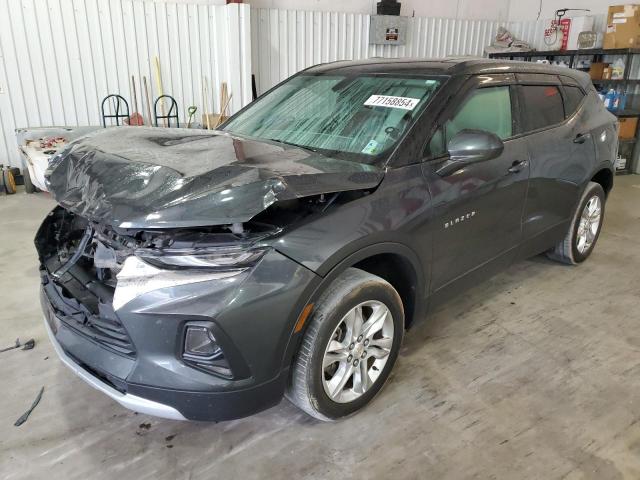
(572, 98)
(542, 106)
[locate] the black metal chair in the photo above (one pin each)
(171, 114)
(117, 101)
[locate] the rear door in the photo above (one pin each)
(561, 152)
(477, 211)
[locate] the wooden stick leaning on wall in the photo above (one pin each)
(206, 119)
(136, 118)
(224, 103)
(148, 100)
(222, 116)
(160, 89)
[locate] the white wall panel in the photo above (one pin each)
(473, 9)
(520, 10)
(60, 58)
(287, 41)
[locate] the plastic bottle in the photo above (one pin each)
(616, 101)
(622, 99)
(609, 99)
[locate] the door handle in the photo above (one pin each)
(581, 137)
(518, 165)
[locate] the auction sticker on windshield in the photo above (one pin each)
(405, 103)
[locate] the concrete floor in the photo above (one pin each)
(534, 374)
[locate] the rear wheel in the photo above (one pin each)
(349, 348)
(585, 228)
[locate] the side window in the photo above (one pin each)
(542, 106)
(436, 146)
(487, 109)
(572, 98)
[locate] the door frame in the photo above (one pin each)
(473, 83)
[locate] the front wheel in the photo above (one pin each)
(585, 227)
(349, 347)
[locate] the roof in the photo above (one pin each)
(444, 66)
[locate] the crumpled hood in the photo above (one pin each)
(140, 177)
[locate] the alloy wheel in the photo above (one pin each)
(589, 224)
(357, 351)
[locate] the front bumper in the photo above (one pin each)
(254, 317)
(132, 402)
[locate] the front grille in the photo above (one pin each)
(103, 327)
(79, 288)
(107, 332)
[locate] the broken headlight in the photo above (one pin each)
(150, 270)
(217, 258)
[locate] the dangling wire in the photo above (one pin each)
(539, 11)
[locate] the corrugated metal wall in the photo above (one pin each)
(59, 58)
(286, 41)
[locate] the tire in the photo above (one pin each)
(9, 182)
(310, 384)
(29, 187)
(569, 249)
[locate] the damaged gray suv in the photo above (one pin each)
(205, 275)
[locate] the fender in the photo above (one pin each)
(334, 269)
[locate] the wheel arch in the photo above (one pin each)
(604, 177)
(394, 262)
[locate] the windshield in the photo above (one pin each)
(360, 116)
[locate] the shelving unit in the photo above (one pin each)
(597, 55)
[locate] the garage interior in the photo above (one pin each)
(534, 373)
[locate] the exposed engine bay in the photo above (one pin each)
(94, 253)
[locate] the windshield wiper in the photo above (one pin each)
(304, 147)
(322, 151)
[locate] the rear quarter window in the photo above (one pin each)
(542, 106)
(572, 98)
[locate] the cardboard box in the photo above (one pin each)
(623, 27)
(597, 69)
(627, 127)
(213, 119)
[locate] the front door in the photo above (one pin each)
(477, 211)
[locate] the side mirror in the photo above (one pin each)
(468, 147)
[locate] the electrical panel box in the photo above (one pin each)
(388, 30)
